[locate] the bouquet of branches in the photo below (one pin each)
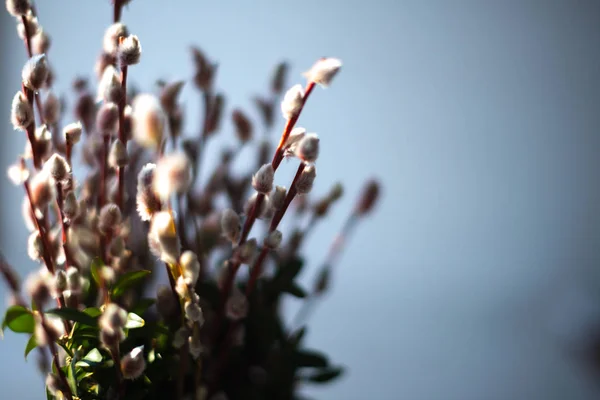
(103, 325)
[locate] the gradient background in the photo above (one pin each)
(478, 276)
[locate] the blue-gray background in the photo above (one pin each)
(479, 273)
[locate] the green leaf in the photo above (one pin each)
(309, 358)
(71, 379)
(295, 290)
(91, 359)
(325, 375)
(31, 344)
(134, 321)
(95, 270)
(93, 312)
(72, 314)
(18, 319)
(128, 280)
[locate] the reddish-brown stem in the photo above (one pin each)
(117, 11)
(114, 353)
(45, 246)
(37, 162)
(69, 152)
(288, 199)
(61, 374)
(122, 135)
(289, 126)
(173, 285)
(104, 173)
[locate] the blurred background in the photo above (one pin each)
(478, 275)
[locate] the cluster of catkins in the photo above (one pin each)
(78, 221)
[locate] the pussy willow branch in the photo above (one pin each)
(37, 162)
(27, 40)
(122, 136)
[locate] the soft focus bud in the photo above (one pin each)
(146, 201)
(42, 192)
(307, 177)
(273, 239)
(40, 42)
(368, 198)
(117, 157)
(21, 114)
(180, 337)
(55, 385)
(72, 132)
(163, 234)
(243, 126)
(110, 43)
(190, 265)
(278, 197)
(149, 121)
(74, 280)
(237, 305)
(35, 248)
(193, 312)
(32, 24)
(230, 225)
(263, 210)
(18, 173)
(17, 8)
(295, 136)
(130, 50)
(71, 206)
(308, 148)
(107, 119)
(43, 140)
(262, 181)
(279, 75)
(110, 217)
(169, 94)
(133, 364)
(292, 102)
(173, 174)
(117, 246)
(247, 251)
(109, 87)
(336, 192)
(58, 167)
(36, 286)
(323, 71)
(52, 109)
(35, 72)
(113, 318)
(60, 281)
(195, 344)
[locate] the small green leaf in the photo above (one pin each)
(18, 319)
(94, 355)
(309, 358)
(295, 290)
(128, 280)
(71, 379)
(95, 270)
(134, 321)
(72, 314)
(93, 312)
(325, 375)
(31, 344)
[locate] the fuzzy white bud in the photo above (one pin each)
(247, 251)
(18, 8)
(295, 136)
(18, 173)
(278, 197)
(149, 121)
(173, 174)
(21, 114)
(35, 72)
(163, 234)
(40, 42)
(146, 201)
(35, 248)
(60, 281)
(237, 305)
(193, 312)
(113, 318)
(109, 87)
(110, 217)
(107, 118)
(305, 182)
(52, 108)
(323, 71)
(117, 157)
(133, 364)
(130, 50)
(110, 42)
(230, 225)
(72, 132)
(42, 192)
(262, 181)
(74, 280)
(308, 148)
(273, 239)
(70, 206)
(58, 167)
(292, 102)
(190, 265)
